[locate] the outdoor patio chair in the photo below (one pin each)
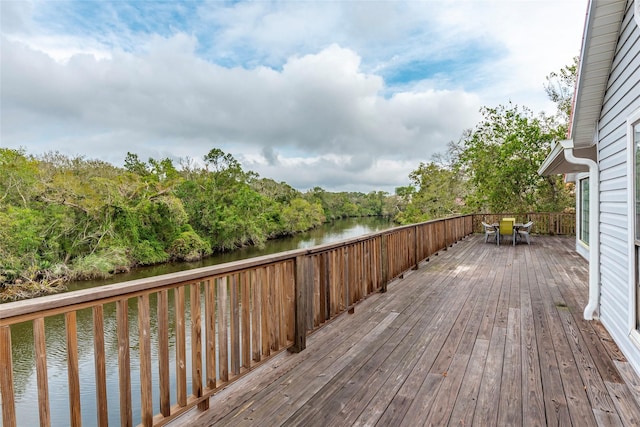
(506, 229)
(524, 231)
(489, 230)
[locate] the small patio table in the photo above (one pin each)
(516, 227)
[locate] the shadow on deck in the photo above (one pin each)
(478, 335)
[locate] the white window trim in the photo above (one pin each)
(579, 179)
(636, 11)
(581, 247)
(633, 305)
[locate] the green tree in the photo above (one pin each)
(436, 192)
(300, 215)
(501, 157)
(18, 178)
(372, 204)
(560, 87)
(280, 192)
(221, 205)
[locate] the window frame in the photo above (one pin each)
(583, 210)
(633, 222)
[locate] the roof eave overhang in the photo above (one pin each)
(601, 31)
(556, 163)
(602, 28)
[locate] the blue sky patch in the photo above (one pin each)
(458, 68)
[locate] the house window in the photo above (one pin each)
(635, 129)
(636, 145)
(584, 210)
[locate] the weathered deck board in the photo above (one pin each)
(478, 335)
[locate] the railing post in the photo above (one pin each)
(384, 261)
(6, 378)
(302, 289)
(325, 288)
(345, 277)
(416, 257)
(446, 241)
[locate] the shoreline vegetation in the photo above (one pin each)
(64, 218)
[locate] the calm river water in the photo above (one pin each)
(25, 381)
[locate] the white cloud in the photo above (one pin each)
(296, 91)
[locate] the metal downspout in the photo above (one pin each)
(590, 311)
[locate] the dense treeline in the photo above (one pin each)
(70, 218)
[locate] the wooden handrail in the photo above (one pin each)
(224, 319)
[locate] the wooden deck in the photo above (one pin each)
(478, 335)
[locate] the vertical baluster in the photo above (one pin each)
(72, 369)
(280, 285)
(266, 313)
(256, 314)
(349, 254)
(365, 267)
(289, 301)
(384, 265)
(273, 310)
(282, 280)
(234, 324)
(357, 272)
(163, 352)
(100, 366)
(314, 283)
(325, 287)
(196, 346)
(268, 308)
(210, 325)
(144, 332)
(377, 249)
(369, 263)
(342, 280)
(223, 313)
(354, 267)
(124, 362)
(301, 286)
(246, 318)
(288, 304)
(317, 313)
(181, 357)
(337, 278)
(40, 345)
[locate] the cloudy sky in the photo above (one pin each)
(346, 95)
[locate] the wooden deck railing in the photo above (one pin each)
(549, 223)
(201, 329)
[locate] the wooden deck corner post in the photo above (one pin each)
(302, 289)
(384, 260)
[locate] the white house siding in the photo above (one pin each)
(621, 99)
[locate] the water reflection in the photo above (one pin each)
(25, 381)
